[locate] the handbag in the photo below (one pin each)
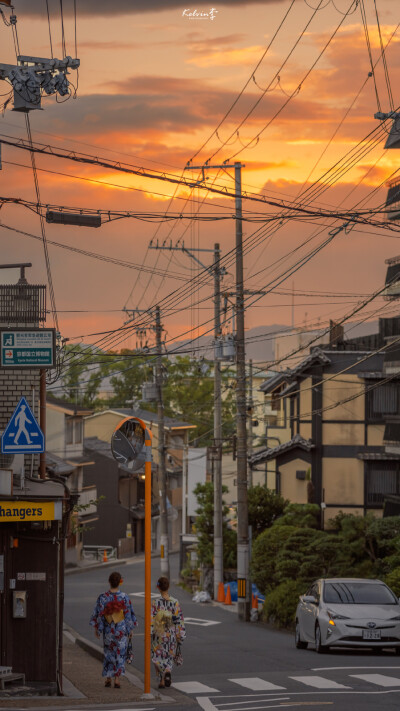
(129, 652)
(178, 659)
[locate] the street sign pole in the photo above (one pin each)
(147, 565)
(131, 446)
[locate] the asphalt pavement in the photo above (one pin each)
(230, 665)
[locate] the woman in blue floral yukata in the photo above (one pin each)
(114, 617)
(167, 633)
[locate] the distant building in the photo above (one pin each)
(336, 408)
(101, 425)
(65, 458)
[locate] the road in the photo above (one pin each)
(234, 666)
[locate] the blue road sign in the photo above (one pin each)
(22, 434)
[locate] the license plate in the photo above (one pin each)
(371, 634)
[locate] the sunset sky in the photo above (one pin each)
(154, 84)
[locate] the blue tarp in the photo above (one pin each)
(234, 590)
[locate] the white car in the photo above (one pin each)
(348, 612)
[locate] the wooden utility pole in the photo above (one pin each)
(241, 423)
(218, 530)
(241, 432)
(162, 478)
(250, 409)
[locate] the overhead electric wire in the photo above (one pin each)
(289, 98)
(384, 62)
(265, 91)
(95, 255)
(245, 85)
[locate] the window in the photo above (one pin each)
(73, 431)
(78, 431)
(349, 593)
(383, 400)
(383, 478)
(69, 431)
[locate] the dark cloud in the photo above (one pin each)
(125, 7)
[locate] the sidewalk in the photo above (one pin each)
(83, 684)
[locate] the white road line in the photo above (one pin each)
(256, 684)
(252, 699)
(194, 687)
(200, 622)
(379, 679)
(318, 682)
(370, 667)
(206, 704)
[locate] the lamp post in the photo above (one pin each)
(131, 446)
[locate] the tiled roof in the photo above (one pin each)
(266, 454)
(272, 383)
(69, 407)
(378, 456)
(58, 466)
(317, 356)
(147, 416)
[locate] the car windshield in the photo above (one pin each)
(358, 594)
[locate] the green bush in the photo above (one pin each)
(265, 550)
(280, 604)
(393, 580)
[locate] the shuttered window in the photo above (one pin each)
(383, 400)
(383, 478)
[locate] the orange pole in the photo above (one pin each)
(147, 564)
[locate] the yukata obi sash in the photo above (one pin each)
(114, 611)
(162, 622)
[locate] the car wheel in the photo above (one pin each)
(319, 647)
(298, 641)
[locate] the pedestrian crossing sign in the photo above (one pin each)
(22, 434)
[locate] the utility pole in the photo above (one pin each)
(217, 273)
(242, 507)
(218, 531)
(161, 450)
(250, 408)
(162, 474)
(241, 424)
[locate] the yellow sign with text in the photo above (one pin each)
(30, 511)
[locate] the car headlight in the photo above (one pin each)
(335, 616)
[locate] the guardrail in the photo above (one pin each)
(97, 552)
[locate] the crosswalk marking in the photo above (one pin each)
(257, 684)
(378, 679)
(319, 682)
(194, 687)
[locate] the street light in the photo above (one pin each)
(131, 445)
(73, 218)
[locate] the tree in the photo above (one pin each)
(127, 375)
(300, 515)
(189, 395)
(264, 506)
(372, 544)
(205, 527)
(264, 555)
(83, 372)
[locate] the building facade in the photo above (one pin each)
(336, 405)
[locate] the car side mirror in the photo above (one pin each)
(310, 599)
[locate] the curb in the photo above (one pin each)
(137, 558)
(135, 677)
(94, 566)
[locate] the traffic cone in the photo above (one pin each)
(105, 559)
(254, 602)
(228, 600)
(221, 593)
